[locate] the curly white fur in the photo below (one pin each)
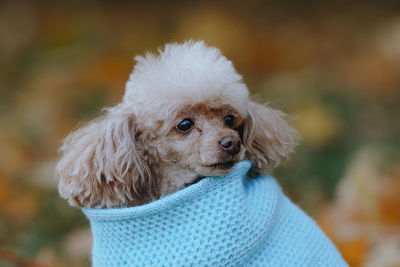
(186, 73)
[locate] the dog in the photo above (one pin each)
(185, 115)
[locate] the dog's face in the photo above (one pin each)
(203, 138)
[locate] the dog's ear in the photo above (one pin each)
(101, 165)
(267, 137)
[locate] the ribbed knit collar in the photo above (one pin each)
(227, 210)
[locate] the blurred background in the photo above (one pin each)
(333, 66)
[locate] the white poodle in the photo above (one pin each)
(185, 115)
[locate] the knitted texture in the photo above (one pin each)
(229, 220)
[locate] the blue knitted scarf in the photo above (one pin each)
(230, 220)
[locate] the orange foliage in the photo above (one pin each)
(389, 200)
(353, 250)
(13, 203)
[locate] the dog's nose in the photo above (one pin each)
(230, 144)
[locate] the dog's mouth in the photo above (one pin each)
(222, 165)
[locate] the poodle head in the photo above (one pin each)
(192, 99)
(185, 115)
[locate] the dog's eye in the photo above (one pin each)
(229, 120)
(184, 126)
